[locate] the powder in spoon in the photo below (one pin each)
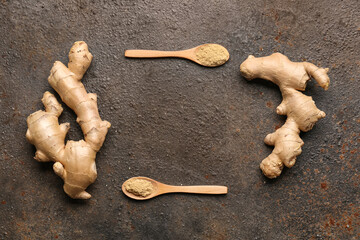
(139, 187)
(212, 55)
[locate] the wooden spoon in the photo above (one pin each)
(209, 55)
(161, 188)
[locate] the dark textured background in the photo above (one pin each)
(181, 123)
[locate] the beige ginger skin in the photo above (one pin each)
(75, 161)
(301, 111)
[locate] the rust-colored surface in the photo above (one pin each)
(180, 123)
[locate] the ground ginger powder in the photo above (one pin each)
(212, 55)
(139, 187)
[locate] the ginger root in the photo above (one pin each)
(301, 111)
(75, 161)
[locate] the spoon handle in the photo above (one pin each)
(206, 189)
(137, 53)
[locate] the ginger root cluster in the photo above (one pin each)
(75, 161)
(301, 111)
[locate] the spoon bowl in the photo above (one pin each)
(154, 183)
(161, 188)
(208, 55)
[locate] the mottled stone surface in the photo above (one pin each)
(180, 123)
